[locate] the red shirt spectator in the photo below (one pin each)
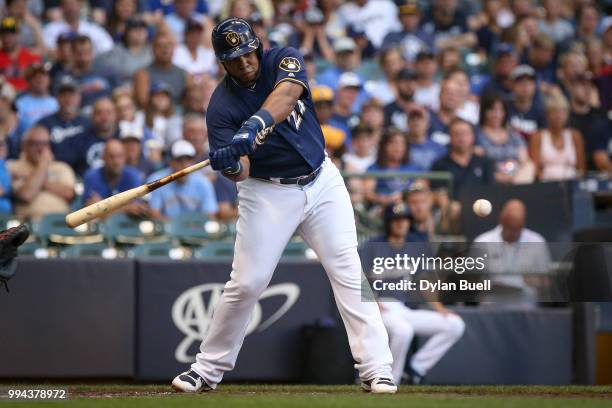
(13, 58)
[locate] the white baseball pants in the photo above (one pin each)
(268, 216)
(403, 324)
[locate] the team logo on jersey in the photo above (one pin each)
(192, 313)
(290, 64)
(232, 38)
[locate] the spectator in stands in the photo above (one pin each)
(525, 110)
(5, 180)
(467, 169)
(447, 24)
(587, 18)
(192, 193)
(423, 150)
(103, 127)
(95, 80)
(113, 177)
(376, 18)
(196, 133)
(442, 326)
(504, 63)
(487, 25)
(393, 156)
(10, 127)
(118, 20)
(40, 184)
(161, 70)
(451, 99)
(506, 148)
(343, 117)
(323, 99)
(553, 23)
(65, 125)
(391, 63)
(127, 114)
(36, 102)
(572, 64)
(502, 243)
(132, 139)
(72, 21)
(160, 115)
(14, 59)
(469, 108)
(347, 59)
(420, 201)
(192, 56)
(592, 123)
(411, 38)
(63, 60)
(373, 115)
(557, 151)
(541, 56)
(131, 52)
(30, 30)
(396, 112)
(197, 97)
(313, 35)
(427, 92)
(184, 11)
(363, 153)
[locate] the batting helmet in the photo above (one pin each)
(234, 37)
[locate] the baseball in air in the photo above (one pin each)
(482, 207)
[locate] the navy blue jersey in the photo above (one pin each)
(296, 146)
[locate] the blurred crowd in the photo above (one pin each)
(99, 96)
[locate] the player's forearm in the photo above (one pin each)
(282, 100)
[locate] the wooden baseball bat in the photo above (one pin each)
(106, 206)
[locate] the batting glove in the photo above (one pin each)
(224, 159)
(243, 143)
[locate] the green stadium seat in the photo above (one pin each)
(195, 229)
(125, 230)
(97, 250)
(30, 249)
(215, 250)
(52, 230)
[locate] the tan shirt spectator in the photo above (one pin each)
(40, 184)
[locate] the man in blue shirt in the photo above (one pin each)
(66, 124)
(264, 134)
(36, 102)
(192, 193)
(113, 178)
(91, 142)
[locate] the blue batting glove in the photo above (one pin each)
(224, 159)
(243, 143)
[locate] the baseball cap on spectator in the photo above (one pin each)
(397, 211)
(182, 148)
(334, 137)
(344, 44)
(504, 49)
(322, 93)
(407, 74)
(349, 80)
(425, 53)
(66, 84)
(65, 37)
(522, 71)
(161, 87)
(193, 25)
(36, 68)
(409, 7)
(130, 131)
(9, 25)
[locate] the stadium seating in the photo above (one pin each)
(195, 229)
(124, 230)
(52, 230)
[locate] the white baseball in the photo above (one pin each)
(482, 207)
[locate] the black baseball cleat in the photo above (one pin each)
(190, 381)
(379, 386)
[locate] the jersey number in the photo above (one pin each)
(297, 115)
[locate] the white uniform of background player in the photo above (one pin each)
(271, 210)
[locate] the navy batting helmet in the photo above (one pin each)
(234, 37)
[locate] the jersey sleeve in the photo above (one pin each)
(289, 65)
(221, 130)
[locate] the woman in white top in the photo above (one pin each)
(557, 151)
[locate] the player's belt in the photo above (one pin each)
(300, 181)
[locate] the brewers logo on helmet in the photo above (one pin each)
(233, 38)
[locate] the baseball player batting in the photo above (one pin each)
(286, 184)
